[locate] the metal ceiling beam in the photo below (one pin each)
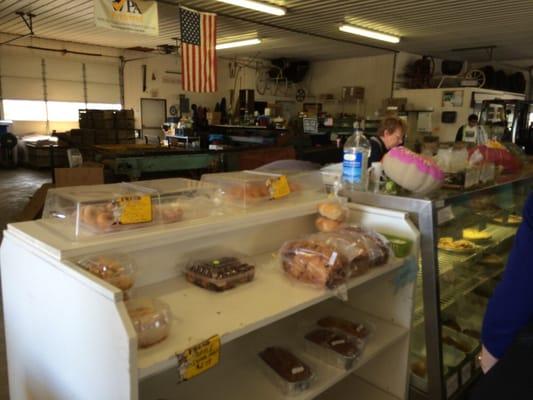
(292, 30)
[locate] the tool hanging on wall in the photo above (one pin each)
(144, 77)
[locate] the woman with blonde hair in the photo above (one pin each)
(390, 134)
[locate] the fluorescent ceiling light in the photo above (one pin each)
(369, 34)
(257, 6)
(240, 43)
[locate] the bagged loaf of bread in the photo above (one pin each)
(361, 248)
(313, 261)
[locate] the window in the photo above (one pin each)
(24, 110)
(58, 111)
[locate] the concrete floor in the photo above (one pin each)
(16, 187)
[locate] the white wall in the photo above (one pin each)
(372, 73)
(418, 99)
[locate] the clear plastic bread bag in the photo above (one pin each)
(313, 261)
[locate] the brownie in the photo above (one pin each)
(461, 346)
(220, 274)
(286, 364)
(334, 341)
(348, 327)
(472, 333)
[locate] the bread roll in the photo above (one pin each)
(332, 210)
(327, 225)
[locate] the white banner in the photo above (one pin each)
(133, 16)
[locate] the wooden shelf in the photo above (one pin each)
(200, 314)
(240, 374)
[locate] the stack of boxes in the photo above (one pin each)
(104, 127)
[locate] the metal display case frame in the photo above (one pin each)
(424, 213)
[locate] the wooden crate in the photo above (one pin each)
(125, 123)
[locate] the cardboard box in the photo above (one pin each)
(87, 174)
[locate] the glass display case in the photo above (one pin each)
(465, 241)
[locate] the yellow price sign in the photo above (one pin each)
(135, 209)
(199, 358)
(279, 187)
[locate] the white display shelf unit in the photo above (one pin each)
(69, 337)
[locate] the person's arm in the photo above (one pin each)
(459, 135)
(511, 306)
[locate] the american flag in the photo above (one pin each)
(198, 54)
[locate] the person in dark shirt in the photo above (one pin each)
(471, 132)
(390, 134)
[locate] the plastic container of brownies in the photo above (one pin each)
(219, 273)
(333, 348)
(286, 371)
(361, 332)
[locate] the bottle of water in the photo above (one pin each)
(354, 165)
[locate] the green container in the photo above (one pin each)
(400, 246)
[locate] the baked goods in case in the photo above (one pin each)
(491, 260)
(116, 270)
(324, 224)
(219, 274)
(362, 248)
(360, 331)
(289, 367)
(315, 262)
(476, 234)
(511, 219)
(169, 212)
(333, 210)
(334, 341)
(456, 246)
(151, 320)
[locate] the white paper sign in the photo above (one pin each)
(445, 215)
(134, 16)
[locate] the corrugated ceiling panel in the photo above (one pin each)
(426, 26)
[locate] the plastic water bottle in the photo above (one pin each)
(355, 160)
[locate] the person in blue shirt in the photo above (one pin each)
(507, 334)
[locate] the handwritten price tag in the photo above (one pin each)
(199, 358)
(279, 187)
(135, 209)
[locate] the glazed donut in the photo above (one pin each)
(89, 214)
(104, 220)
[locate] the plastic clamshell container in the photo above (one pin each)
(302, 181)
(285, 386)
(401, 247)
(116, 269)
(243, 188)
(182, 199)
(101, 209)
(459, 341)
(361, 332)
(151, 319)
(330, 356)
(220, 273)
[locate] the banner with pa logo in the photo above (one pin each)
(134, 16)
